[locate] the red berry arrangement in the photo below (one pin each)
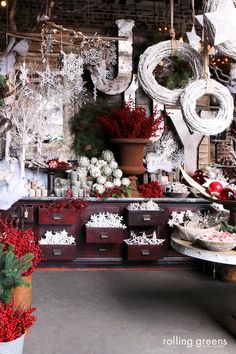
(73, 204)
(24, 242)
(151, 190)
(14, 322)
(130, 122)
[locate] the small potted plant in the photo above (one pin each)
(14, 323)
(131, 129)
(23, 244)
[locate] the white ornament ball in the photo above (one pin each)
(113, 164)
(109, 184)
(107, 155)
(106, 170)
(125, 181)
(101, 163)
(94, 160)
(117, 182)
(84, 161)
(98, 188)
(117, 173)
(95, 172)
(101, 179)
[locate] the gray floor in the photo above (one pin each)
(130, 312)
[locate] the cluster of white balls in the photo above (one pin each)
(104, 171)
(150, 205)
(106, 220)
(57, 238)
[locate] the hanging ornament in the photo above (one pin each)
(193, 38)
(224, 21)
(47, 78)
(24, 72)
(72, 66)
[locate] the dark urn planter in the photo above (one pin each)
(131, 151)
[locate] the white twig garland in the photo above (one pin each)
(197, 89)
(227, 48)
(153, 56)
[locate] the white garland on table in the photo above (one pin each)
(57, 238)
(227, 48)
(105, 220)
(197, 89)
(150, 205)
(153, 56)
(144, 239)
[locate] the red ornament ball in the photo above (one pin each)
(53, 163)
(215, 188)
(227, 194)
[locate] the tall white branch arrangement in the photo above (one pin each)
(28, 119)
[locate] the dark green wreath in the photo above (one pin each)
(89, 137)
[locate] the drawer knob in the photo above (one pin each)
(56, 216)
(102, 249)
(146, 217)
(104, 236)
(145, 253)
(57, 252)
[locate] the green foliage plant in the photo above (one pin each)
(11, 269)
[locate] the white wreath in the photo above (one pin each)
(153, 56)
(227, 48)
(197, 89)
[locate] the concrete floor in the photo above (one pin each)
(130, 312)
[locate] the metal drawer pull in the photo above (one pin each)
(146, 217)
(104, 236)
(57, 216)
(57, 252)
(145, 253)
(102, 249)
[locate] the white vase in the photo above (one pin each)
(13, 347)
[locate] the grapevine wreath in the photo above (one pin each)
(154, 55)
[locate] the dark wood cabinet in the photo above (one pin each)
(106, 247)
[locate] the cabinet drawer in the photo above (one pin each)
(104, 235)
(59, 252)
(144, 252)
(56, 217)
(145, 217)
(24, 212)
(100, 250)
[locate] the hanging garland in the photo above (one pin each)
(154, 56)
(227, 48)
(197, 89)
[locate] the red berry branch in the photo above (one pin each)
(130, 122)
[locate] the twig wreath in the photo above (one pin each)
(227, 48)
(154, 55)
(197, 89)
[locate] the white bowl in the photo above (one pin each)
(189, 234)
(218, 246)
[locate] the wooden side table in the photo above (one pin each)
(226, 257)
